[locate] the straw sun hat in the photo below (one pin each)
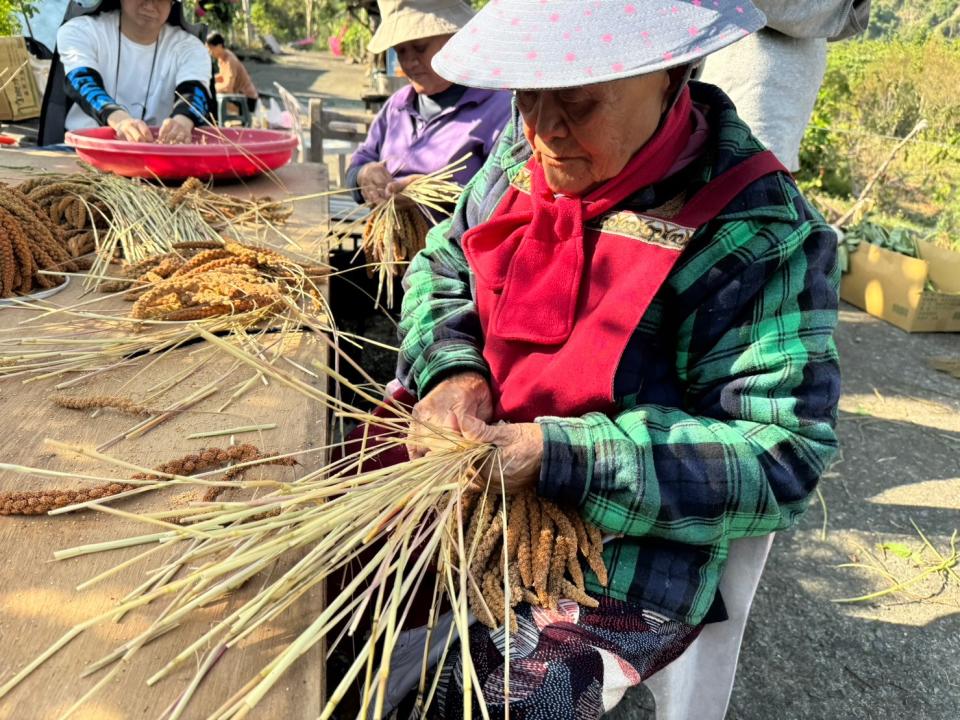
(405, 20)
(541, 44)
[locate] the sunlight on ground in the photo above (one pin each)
(925, 413)
(939, 599)
(856, 317)
(62, 609)
(892, 613)
(928, 493)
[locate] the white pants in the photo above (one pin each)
(698, 684)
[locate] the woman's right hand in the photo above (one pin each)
(127, 128)
(373, 179)
(463, 395)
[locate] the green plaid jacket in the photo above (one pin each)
(727, 393)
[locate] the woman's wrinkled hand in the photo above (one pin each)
(128, 128)
(518, 457)
(176, 130)
(398, 186)
(466, 395)
(373, 180)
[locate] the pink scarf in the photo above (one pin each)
(534, 257)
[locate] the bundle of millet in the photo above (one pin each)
(391, 237)
(71, 203)
(544, 545)
(225, 279)
(29, 242)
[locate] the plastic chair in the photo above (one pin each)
(233, 108)
(698, 684)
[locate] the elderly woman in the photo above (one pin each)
(130, 64)
(635, 304)
(433, 121)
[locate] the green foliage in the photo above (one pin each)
(913, 20)
(874, 92)
(355, 41)
(10, 25)
(286, 20)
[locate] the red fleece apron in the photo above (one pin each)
(562, 361)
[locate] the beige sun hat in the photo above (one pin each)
(405, 20)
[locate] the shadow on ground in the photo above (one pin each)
(805, 657)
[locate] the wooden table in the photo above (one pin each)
(38, 602)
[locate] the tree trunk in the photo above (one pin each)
(247, 22)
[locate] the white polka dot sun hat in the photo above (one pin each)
(541, 44)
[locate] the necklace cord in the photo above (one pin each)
(153, 65)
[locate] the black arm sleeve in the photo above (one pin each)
(192, 100)
(84, 86)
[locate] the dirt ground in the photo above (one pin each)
(804, 655)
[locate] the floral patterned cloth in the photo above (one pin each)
(572, 663)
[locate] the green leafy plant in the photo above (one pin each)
(9, 12)
(873, 94)
(355, 41)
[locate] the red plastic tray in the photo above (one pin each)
(221, 153)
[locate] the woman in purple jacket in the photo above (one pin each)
(433, 121)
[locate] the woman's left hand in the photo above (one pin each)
(519, 456)
(176, 130)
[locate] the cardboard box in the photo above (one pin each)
(893, 287)
(20, 97)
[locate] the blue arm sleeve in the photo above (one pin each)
(84, 86)
(192, 100)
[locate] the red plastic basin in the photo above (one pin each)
(220, 153)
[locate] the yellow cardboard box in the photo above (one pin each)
(893, 287)
(19, 97)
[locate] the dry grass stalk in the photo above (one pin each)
(391, 525)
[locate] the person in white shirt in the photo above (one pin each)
(131, 66)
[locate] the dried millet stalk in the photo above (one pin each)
(493, 596)
(516, 524)
(198, 245)
(595, 557)
(541, 561)
(202, 258)
(558, 565)
(37, 226)
(540, 572)
(93, 402)
(489, 542)
(479, 522)
(190, 185)
(578, 595)
(38, 502)
(8, 266)
(235, 473)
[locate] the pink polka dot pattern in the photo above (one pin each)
(562, 43)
